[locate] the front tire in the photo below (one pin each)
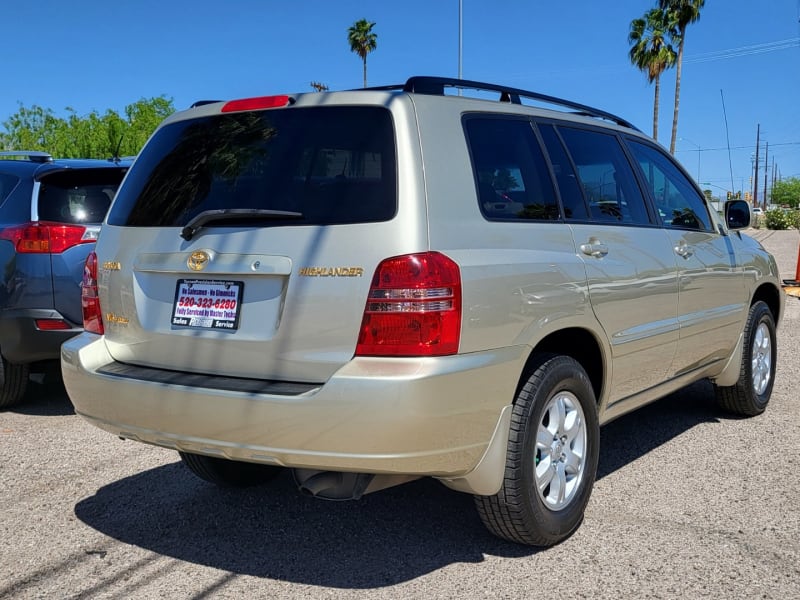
(551, 463)
(750, 395)
(228, 473)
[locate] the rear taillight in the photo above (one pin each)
(90, 302)
(44, 237)
(413, 308)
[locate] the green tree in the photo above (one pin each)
(787, 192)
(142, 118)
(651, 50)
(88, 136)
(362, 41)
(30, 129)
(683, 13)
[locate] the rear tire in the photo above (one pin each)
(13, 383)
(553, 449)
(750, 395)
(228, 473)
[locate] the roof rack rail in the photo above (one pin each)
(436, 85)
(31, 155)
(119, 159)
(203, 103)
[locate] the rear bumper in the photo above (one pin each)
(420, 416)
(22, 342)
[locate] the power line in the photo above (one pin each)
(744, 51)
(748, 147)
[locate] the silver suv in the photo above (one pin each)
(372, 286)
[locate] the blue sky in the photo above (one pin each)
(96, 55)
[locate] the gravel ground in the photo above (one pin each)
(689, 503)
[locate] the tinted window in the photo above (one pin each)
(677, 201)
(511, 174)
(78, 196)
(606, 177)
(7, 184)
(331, 164)
(571, 195)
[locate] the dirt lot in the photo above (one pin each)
(689, 503)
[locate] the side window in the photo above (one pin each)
(606, 177)
(678, 203)
(7, 184)
(511, 174)
(571, 195)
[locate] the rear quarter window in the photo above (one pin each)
(511, 175)
(334, 165)
(7, 185)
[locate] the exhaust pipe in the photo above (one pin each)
(321, 482)
(332, 485)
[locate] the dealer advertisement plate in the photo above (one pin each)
(207, 304)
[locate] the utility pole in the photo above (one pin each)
(755, 176)
(460, 37)
(460, 40)
(774, 172)
(766, 176)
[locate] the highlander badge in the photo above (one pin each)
(331, 272)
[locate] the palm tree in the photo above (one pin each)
(362, 41)
(651, 50)
(684, 13)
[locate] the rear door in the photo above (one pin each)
(276, 290)
(630, 265)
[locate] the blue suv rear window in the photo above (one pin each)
(331, 164)
(78, 195)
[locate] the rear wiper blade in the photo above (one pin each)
(231, 214)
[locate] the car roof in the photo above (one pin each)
(26, 163)
(492, 97)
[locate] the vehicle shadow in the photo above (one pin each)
(275, 532)
(383, 539)
(637, 433)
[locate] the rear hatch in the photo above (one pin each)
(71, 204)
(244, 243)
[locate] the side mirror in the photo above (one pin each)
(737, 214)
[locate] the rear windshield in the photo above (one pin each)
(331, 164)
(79, 195)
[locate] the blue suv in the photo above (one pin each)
(50, 216)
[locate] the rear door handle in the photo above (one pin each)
(594, 248)
(683, 250)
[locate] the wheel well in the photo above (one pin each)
(769, 295)
(577, 343)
